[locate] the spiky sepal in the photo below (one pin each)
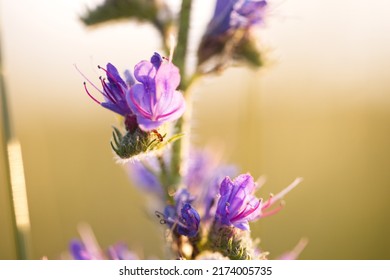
(232, 242)
(138, 142)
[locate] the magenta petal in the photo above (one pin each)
(226, 186)
(167, 79)
(237, 205)
(242, 225)
(155, 99)
(145, 71)
(147, 125)
(137, 100)
(172, 109)
(247, 181)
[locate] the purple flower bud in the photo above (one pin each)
(183, 215)
(247, 13)
(155, 100)
(227, 37)
(220, 22)
(230, 15)
(189, 221)
(237, 204)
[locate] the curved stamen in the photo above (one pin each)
(90, 95)
(140, 109)
(107, 90)
(246, 212)
(287, 189)
(168, 114)
(269, 202)
(274, 211)
(88, 80)
(113, 78)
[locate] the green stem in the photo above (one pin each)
(180, 54)
(179, 59)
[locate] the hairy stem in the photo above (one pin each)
(178, 153)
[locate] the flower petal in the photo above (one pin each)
(113, 75)
(137, 99)
(145, 72)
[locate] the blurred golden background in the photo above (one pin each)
(320, 110)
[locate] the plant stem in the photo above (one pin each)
(179, 58)
(16, 188)
(180, 55)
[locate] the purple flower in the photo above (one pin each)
(88, 249)
(120, 251)
(235, 14)
(204, 176)
(186, 222)
(154, 99)
(150, 102)
(183, 215)
(247, 13)
(79, 251)
(114, 90)
(220, 22)
(237, 205)
(189, 221)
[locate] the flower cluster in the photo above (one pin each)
(210, 206)
(205, 205)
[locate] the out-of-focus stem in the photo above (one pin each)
(15, 178)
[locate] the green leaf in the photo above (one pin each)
(140, 10)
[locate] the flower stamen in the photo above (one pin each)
(108, 93)
(274, 211)
(90, 95)
(113, 78)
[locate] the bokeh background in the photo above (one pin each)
(320, 109)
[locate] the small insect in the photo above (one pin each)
(161, 217)
(159, 136)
